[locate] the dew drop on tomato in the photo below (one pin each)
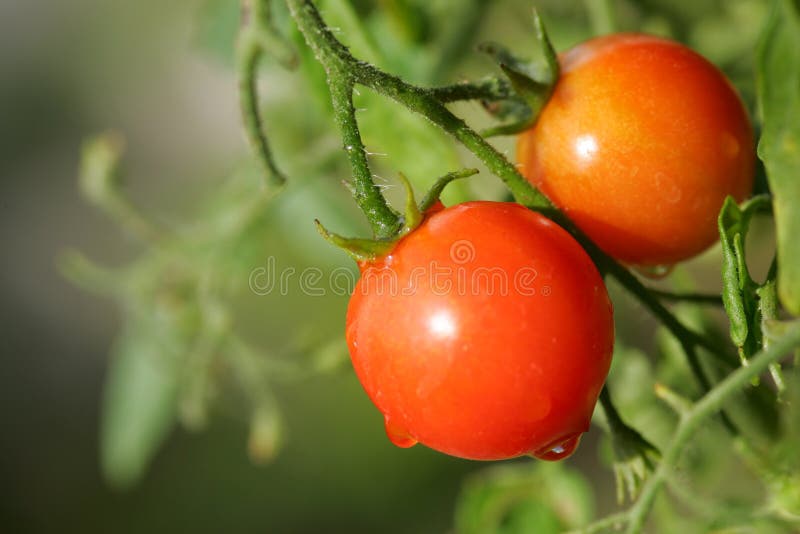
(398, 435)
(654, 272)
(560, 451)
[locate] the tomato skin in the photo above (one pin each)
(469, 369)
(640, 143)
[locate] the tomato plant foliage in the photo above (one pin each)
(484, 329)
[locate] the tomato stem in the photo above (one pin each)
(696, 298)
(420, 101)
(344, 70)
(339, 65)
(432, 197)
(384, 221)
(489, 88)
(254, 39)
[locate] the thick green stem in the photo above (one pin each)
(366, 193)
(420, 101)
(490, 88)
(612, 415)
(338, 64)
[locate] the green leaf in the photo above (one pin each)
(533, 81)
(537, 497)
(778, 80)
(739, 291)
(216, 27)
(730, 225)
(140, 400)
(408, 19)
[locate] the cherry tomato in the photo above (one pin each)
(486, 333)
(640, 143)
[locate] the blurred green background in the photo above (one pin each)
(161, 74)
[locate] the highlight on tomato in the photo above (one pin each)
(640, 143)
(486, 333)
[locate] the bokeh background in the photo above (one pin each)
(161, 74)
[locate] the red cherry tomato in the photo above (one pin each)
(640, 143)
(486, 334)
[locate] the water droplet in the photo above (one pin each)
(667, 188)
(562, 449)
(398, 435)
(730, 146)
(654, 272)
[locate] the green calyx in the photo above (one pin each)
(366, 249)
(438, 186)
(360, 249)
(533, 81)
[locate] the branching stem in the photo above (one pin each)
(366, 193)
(711, 403)
(344, 71)
(690, 422)
(489, 89)
(695, 298)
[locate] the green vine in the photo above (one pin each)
(345, 72)
(690, 422)
(175, 299)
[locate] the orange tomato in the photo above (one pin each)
(640, 143)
